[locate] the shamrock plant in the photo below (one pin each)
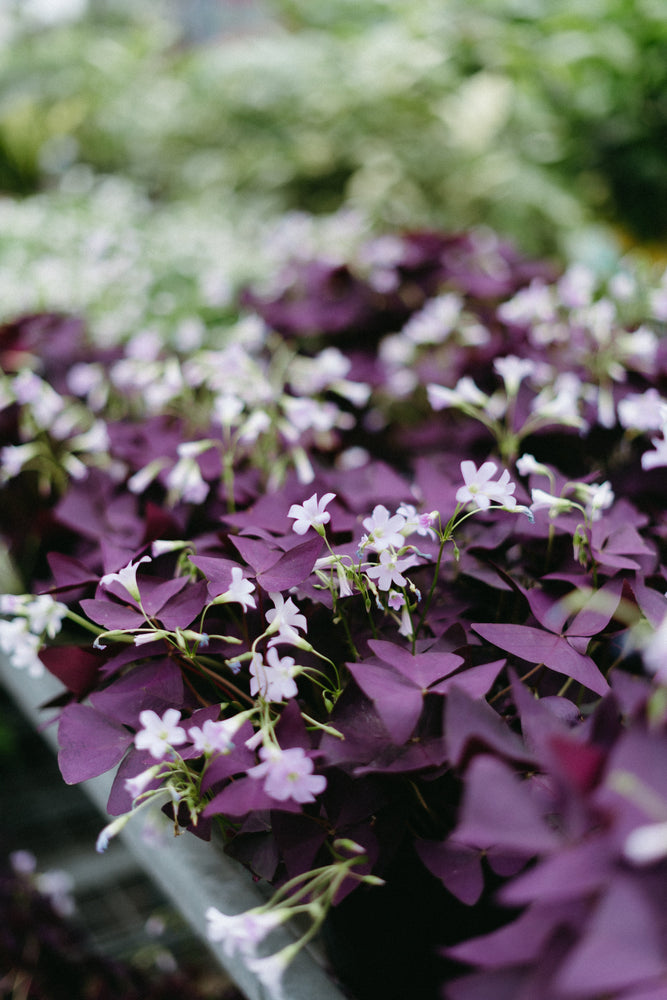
(377, 583)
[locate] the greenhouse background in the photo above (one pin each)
(156, 158)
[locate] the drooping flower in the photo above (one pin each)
(243, 931)
(140, 782)
(127, 577)
(528, 464)
(239, 591)
(273, 681)
(311, 513)
(159, 735)
(284, 619)
(270, 970)
(547, 501)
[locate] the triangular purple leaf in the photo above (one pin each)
(90, 744)
(499, 811)
(537, 646)
(292, 567)
(398, 702)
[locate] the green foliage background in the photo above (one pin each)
(532, 117)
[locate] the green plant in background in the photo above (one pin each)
(534, 119)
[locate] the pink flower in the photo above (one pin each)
(213, 737)
(384, 531)
(288, 774)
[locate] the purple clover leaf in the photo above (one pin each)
(501, 811)
(538, 646)
(90, 743)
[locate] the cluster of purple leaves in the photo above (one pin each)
(494, 743)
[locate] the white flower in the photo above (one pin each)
(142, 479)
(45, 616)
(598, 497)
(465, 394)
(285, 618)
(227, 408)
(21, 645)
(646, 844)
(140, 782)
(311, 513)
(435, 321)
(257, 423)
(214, 737)
(642, 411)
(275, 681)
(655, 652)
(384, 531)
(127, 577)
(389, 571)
(658, 303)
(530, 305)
(576, 286)
(547, 501)
(395, 600)
(44, 402)
(243, 931)
(344, 586)
(528, 464)
(422, 524)
(481, 490)
(657, 458)
(559, 401)
(513, 370)
(109, 831)
(622, 286)
(240, 591)
(270, 971)
(159, 735)
(185, 481)
(13, 457)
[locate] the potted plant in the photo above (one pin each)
(371, 593)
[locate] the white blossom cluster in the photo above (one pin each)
(32, 621)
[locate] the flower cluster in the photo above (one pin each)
(403, 591)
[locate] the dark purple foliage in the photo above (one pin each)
(512, 747)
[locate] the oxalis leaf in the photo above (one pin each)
(535, 645)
